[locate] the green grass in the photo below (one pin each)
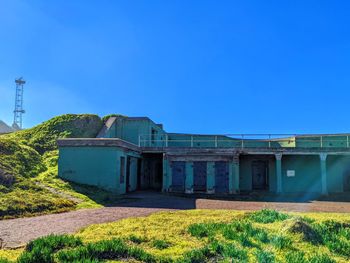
(198, 236)
(43, 137)
(28, 169)
(267, 216)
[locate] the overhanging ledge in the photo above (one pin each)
(97, 142)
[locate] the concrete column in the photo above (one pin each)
(189, 178)
(279, 172)
(169, 175)
(165, 173)
(210, 177)
(230, 177)
(323, 158)
(236, 174)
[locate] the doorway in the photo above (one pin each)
(221, 177)
(199, 176)
(178, 169)
(259, 175)
(151, 176)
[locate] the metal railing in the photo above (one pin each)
(246, 140)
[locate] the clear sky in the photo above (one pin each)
(195, 66)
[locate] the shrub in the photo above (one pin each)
(266, 216)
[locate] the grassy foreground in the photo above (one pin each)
(201, 236)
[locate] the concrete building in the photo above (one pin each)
(135, 153)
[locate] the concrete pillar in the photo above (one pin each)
(236, 174)
(189, 178)
(210, 177)
(324, 188)
(230, 177)
(165, 173)
(279, 172)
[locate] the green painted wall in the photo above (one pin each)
(336, 167)
(133, 174)
(98, 166)
(307, 173)
(329, 141)
(90, 165)
(130, 130)
(189, 177)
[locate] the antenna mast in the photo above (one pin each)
(17, 119)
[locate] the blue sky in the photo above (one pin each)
(196, 66)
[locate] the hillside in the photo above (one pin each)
(28, 168)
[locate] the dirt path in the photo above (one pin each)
(17, 232)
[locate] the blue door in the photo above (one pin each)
(200, 176)
(178, 176)
(221, 177)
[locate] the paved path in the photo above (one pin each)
(17, 232)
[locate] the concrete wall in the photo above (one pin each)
(328, 141)
(97, 166)
(307, 173)
(130, 130)
(336, 167)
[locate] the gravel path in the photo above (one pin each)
(17, 232)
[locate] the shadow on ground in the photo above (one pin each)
(243, 201)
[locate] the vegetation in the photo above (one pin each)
(105, 118)
(200, 236)
(28, 169)
(43, 137)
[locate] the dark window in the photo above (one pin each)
(122, 169)
(153, 135)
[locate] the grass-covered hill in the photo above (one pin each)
(43, 137)
(28, 168)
